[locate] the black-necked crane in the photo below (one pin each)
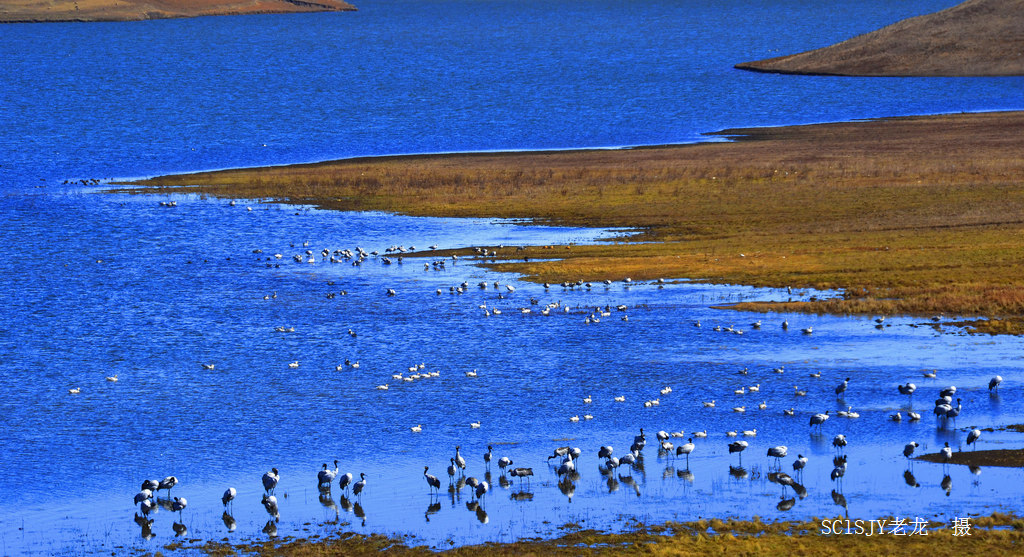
(839, 442)
(799, 463)
(326, 477)
(179, 505)
(452, 470)
(503, 463)
(841, 388)
(432, 480)
(521, 473)
(166, 484)
(778, 453)
(994, 382)
(946, 453)
(459, 461)
(229, 496)
(345, 481)
(738, 447)
(358, 487)
(686, 449)
(908, 449)
(270, 480)
(818, 419)
(972, 437)
(487, 456)
(604, 452)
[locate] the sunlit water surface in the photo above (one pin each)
(99, 285)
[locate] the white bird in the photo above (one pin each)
(750, 433)
(790, 412)
(471, 373)
(896, 417)
(914, 416)
(416, 428)
(620, 399)
(588, 400)
(730, 434)
(270, 480)
(229, 496)
(75, 391)
(208, 366)
(930, 374)
(763, 405)
(798, 392)
(709, 404)
(476, 425)
(754, 388)
(383, 387)
(740, 391)
(740, 409)
(113, 379)
(701, 434)
(574, 419)
(807, 331)
(994, 382)
(293, 365)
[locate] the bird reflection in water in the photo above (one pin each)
(346, 503)
(567, 487)
(685, 475)
(786, 504)
(521, 496)
(165, 503)
(947, 484)
(147, 526)
(613, 484)
(179, 529)
(840, 500)
(357, 509)
(630, 482)
(433, 508)
(328, 503)
(908, 477)
(668, 473)
(229, 521)
(503, 481)
(270, 528)
(738, 472)
(481, 514)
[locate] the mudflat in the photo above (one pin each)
(29, 11)
(913, 215)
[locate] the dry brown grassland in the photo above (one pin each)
(919, 215)
(996, 535)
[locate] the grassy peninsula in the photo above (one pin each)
(915, 215)
(31, 11)
(975, 38)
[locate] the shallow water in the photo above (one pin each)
(100, 284)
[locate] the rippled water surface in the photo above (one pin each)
(101, 285)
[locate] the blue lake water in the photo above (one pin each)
(100, 284)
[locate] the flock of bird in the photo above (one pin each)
(566, 458)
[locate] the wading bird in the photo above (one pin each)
(270, 480)
(432, 480)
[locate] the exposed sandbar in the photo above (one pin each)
(32, 11)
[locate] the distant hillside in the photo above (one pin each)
(128, 10)
(976, 38)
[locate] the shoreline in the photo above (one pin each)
(95, 11)
(908, 215)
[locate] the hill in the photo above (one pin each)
(975, 38)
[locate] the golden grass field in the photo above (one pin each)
(918, 215)
(997, 535)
